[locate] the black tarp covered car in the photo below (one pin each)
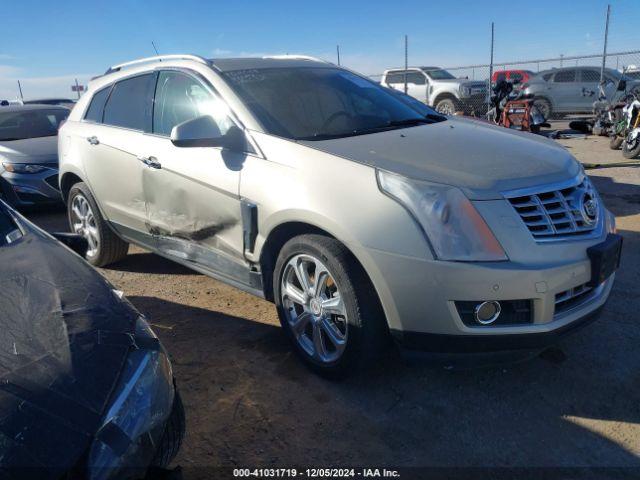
(86, 388)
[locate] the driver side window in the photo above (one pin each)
(180, 97)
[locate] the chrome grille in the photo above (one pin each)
(552, 214)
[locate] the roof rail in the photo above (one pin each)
(299, 57)
(158, 58)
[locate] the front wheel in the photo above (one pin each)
(327, 305)
(85, 219)
(447, 106)
(631, 147)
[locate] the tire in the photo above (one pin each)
(105, 246)
(615, 142)
(447, 106)
(544, 106)
(361, 326)
(633, 150)
(172, 436)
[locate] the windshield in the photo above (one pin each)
(439, 74)
(18, 125)
(317, 103)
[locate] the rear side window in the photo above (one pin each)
(416, 78)
(515, 76)
(96, 107)
(129, 102)
(547, 76)
(565, 76)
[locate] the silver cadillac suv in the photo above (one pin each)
(355, 212)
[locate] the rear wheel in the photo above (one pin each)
(85, 219)
(615, 141)
(327, 305)
(544, 106)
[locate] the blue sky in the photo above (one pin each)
(46, 44)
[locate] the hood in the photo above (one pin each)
(63, 346)
(31, 150)
(481, 159)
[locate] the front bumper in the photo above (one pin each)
(411, 342)
(23, 190)
(419, 299)
(475, 104)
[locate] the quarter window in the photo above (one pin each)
(96, 107)
(180, 97)
(566, 76)
(128, 104)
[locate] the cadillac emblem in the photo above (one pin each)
(589, 208)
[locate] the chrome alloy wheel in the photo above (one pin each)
(84, 223)
(314, 308)
(445, 109)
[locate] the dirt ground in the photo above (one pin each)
(250, 402)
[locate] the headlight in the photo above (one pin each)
(141, 404)
(23, 168)
(465, 91)
(452, 225)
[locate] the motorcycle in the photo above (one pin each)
(631, 137)
(513, 109)
(608, 117)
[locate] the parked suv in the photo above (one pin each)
(572, 89)
(438, 88)
(322, 191)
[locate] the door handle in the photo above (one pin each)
(151, 162)
(93, 140)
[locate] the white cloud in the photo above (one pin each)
(37, 87)
(221, 52)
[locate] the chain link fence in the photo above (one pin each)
(563, 85)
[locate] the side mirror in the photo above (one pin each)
(75, 242)
(204, 132)
(622, 85)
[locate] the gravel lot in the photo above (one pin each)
(250, 402)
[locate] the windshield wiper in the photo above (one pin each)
(409, 122)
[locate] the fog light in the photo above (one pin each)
(486, 313)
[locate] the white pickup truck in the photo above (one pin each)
(439, 88)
